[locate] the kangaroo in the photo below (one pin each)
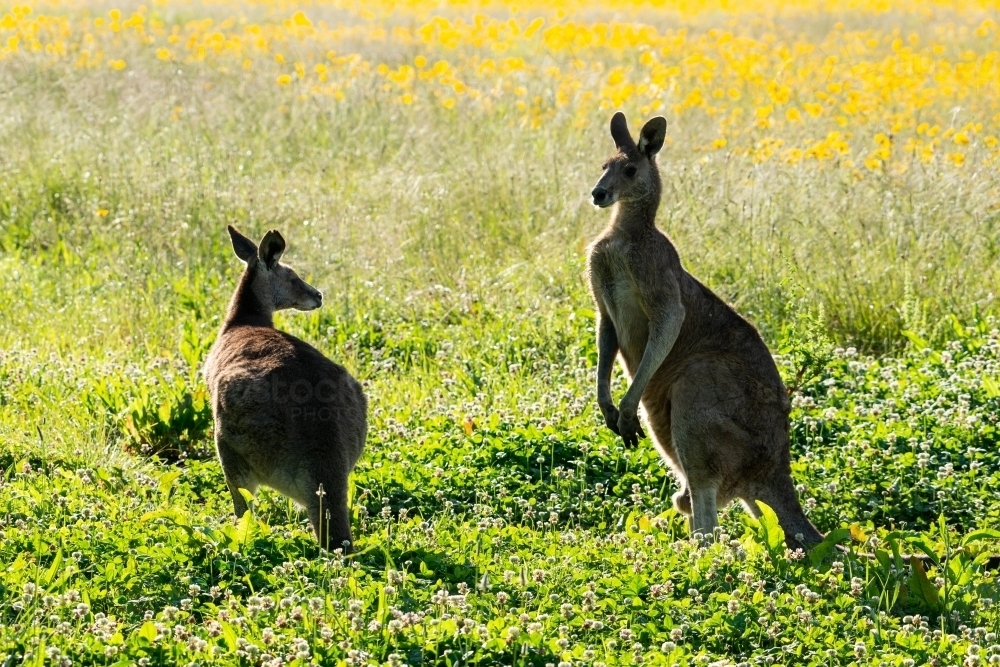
(710, 391)
(285, 416)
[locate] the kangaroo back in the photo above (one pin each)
(285, 415)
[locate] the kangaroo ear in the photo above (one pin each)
(244, 247)
(620, 133)
(652, 136)
(271, 247)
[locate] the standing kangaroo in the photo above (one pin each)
(712, 396)
(285, 415)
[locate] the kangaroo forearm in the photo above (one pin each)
(607, 350)
(604, 388)
(658, 346)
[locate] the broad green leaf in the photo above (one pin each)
(109, 571)
(132, 430)
(926, 547)
(167, 480)
(942, 528)
(163, 412)
(229, 635)
(54, 569)
(173, 514)
(990, 386)
(980, 535)
(983, 558)
(148, 631)
(819, 552)
(381, 602)
(956, 325)
(774, 536)
(917, 342)
(921, 586)
(67, 572)
(961, 569)
(246, 529)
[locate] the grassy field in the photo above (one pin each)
(831, 170)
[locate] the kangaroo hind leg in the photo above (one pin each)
(698, 498)
(700, 451)
(239, 475)
(704, 510)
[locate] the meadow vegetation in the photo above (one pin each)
(831, 170)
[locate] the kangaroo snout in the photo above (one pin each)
(601, 196)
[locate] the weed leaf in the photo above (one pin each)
(772, 533)
(922, 586)
(148, 632)
(980, 535)
(166, 481)
(819, 553)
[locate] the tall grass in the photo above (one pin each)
(409, 197)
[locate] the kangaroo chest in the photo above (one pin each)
(623, 304)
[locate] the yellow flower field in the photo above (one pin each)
(846, 148)
(818, 82)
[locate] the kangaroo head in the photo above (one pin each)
(275, 285)
(630, 174)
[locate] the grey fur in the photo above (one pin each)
(285, 416)
(711, 395)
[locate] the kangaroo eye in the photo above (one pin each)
(630, 171)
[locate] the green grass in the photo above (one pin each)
(497, 520)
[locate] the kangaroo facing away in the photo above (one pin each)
(285, 416)
(710, 391)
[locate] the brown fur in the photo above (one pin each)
(285, 416)
(712, 397)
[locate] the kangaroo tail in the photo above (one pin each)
(780, 495)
